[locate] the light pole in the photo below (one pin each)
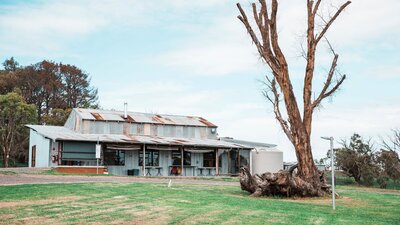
(332, 170)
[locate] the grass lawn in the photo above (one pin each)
(148, 203)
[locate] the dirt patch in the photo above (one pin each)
(120, 197)
(202, 218)
(5, 217)
(97, 213)
(378, 190)
(149, 215)
(344, 201)
(144, 217)
(22, 178)
(317, 220)
(183, 201)
(37, 202)
(259, 212)
(23, 170)
(36, 220)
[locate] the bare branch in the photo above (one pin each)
(256, 17)
(263, 26)
(325, 29)
(330, 92)
(269, 60)
(274, 58)
(309, 73)
(275, 102)
(324, 92)
(393, 143)
(274, 37)
(316, 7)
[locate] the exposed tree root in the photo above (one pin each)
(283, 183)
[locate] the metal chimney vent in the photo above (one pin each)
(125, 110)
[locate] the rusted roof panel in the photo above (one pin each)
(206, 122)
(157, 119)
(97, 116)
(112, 115)
(64, 134)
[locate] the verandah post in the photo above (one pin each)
(239, 160)
(216, 162)
(144, 160)
(229, 162)
(182, 161)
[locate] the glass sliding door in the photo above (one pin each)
(244, 158)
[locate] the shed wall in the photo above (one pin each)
(42, 149)
(179, 131)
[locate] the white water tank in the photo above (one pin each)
(266, 160)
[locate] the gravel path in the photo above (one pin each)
(15, 179)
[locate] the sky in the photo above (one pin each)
(195, 58)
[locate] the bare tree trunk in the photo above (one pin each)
(305, 159)
(6, 156)
(307, 180)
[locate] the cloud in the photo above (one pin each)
(163, 96)
(47, 28)
(43, 28)
(215, 59)
(370, 121)
(384, 71)
(218, 47)
(366, 20)
(221, 45)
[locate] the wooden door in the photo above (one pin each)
(33, 159)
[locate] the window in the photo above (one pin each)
(177, 156)
(209, 159)
(78, 154)
(152, 158)
(114, 157)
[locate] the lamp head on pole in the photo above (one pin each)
(327, 138)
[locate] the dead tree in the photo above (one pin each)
(296, 125)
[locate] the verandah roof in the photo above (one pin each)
(60, 133)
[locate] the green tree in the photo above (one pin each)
(14, 114)
(49, 86)
(389, 162)
(77, 91)
(8, 78)
(356, 159)
(57, 117)
(388, 158)
(10, 64)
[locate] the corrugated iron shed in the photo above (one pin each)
(58, 133)
(111, 115)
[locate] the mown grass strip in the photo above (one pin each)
(189, 204)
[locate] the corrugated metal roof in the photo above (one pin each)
(64, 134)
(248, 143)
(111, 115)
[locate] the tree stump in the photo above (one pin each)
(286, 183)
